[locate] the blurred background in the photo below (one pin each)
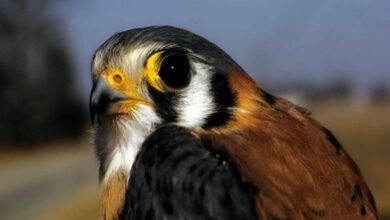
(332, 57)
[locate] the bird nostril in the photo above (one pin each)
(117, 78)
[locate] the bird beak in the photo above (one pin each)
(102, 98)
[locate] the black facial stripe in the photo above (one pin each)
(224, 98)
(164, 103)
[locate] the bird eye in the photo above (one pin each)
(175, 71)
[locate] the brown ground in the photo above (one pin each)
(55, 181)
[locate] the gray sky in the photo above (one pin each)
(275, 41)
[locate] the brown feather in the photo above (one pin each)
(298, 167)
(113, 195)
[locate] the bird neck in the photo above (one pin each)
(116, 175)
(117, 143)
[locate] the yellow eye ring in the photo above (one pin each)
(151, 71)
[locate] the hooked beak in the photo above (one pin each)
(102, 97)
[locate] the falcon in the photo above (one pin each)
(183, 132)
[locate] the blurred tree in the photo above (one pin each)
(380, 92)
(340, 88)
(38, 101)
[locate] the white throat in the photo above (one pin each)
(122, 139)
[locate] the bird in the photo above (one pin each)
(181, 131)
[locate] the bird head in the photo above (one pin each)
(160, 75)
(149, 77)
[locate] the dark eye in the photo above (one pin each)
(175, 71)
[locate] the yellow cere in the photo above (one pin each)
(118, 80)
(151, 71)
(115, 77)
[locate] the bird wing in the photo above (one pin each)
(176, 175)
(298, 167)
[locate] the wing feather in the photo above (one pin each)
(178, 176)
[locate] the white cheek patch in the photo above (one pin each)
(196, 102)
(125, 139)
